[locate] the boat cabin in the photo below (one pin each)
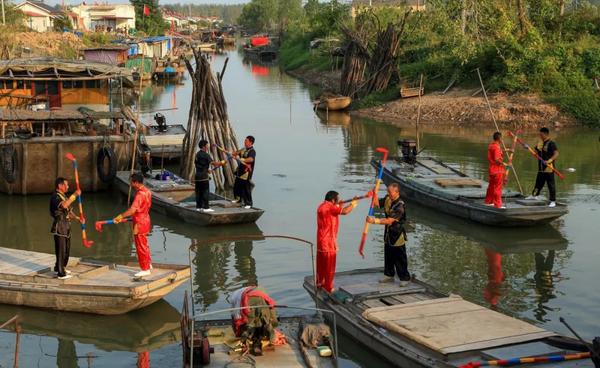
(46, 83)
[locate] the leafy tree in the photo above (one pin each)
(62, 22)
(152, 25)
(259, 15)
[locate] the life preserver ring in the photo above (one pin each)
(9, 164)
(106, 153)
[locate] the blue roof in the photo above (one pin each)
(156, 39)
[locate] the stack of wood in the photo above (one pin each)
(370, 68)
(208, 119)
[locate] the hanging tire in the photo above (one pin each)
(106, 153)
(9, 164)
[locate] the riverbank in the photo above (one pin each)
(456, 107)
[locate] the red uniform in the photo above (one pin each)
(327, 229)
(496, 171)
(141, 226)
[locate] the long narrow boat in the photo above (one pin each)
(418, 326)
(177, 198)
(432, 183)
(27, 278)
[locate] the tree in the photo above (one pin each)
(259, 15)
(62, 22)
(152, 24)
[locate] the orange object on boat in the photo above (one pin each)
(260, 70)
(259, 41)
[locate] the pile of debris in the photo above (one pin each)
(32, 44)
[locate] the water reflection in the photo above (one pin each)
(492, 292)
(544, 283)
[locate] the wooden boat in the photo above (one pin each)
(145, 332)
(432, 183)
(332, 103)
(34, 144)
(165, 142)
(264, 54)
(27, 278)
(417, 326)
(176, 198)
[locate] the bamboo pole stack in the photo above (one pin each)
(355, 60)
(208, 119)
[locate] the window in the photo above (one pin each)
(92, 84)
(27, 85)
(6, 84)
(77, 84)
(20, 84)
(67, 84)
(52, 88)
(40, 88)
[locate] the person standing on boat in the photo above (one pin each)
(242, 187)
(394, 237)
(62, 214)
(548, 151)
(203, 163)
(140, 213)
(327, 230)
(496, 170)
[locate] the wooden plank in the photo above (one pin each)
(458, 182)
(373, 303)
(452, 325)
(405, 299)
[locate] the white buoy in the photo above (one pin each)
(571, 169)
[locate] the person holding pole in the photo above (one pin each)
(140, 214)
(548, 151)
(493, 196)
(203, 162)
(327, 230)
(242, 187)
(394, 238)
(62, 214)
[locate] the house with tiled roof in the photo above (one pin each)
(39, 16)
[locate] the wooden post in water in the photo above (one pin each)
(208, 119)
(419, 112)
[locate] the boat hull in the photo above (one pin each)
(333, 104)
(470, 210)
(41, 160)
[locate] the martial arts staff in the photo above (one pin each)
(242, 187)
(496, 170)
(62, 214)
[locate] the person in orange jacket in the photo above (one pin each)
(140, 213)
(497, 170)
(327, 229)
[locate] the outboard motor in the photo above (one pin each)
(161, 121)
(409, 150)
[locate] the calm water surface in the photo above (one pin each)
(537, 274)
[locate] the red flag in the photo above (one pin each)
(146, 11)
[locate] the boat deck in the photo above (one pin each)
(28, 278)
(227, 353)
(417, 324)
(167, 144)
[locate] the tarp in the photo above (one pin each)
(259, 41)
(137, 62)
(59, 69)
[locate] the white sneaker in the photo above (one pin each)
(540, 198)
(247, 207)
(386, 279)
(529, 198)
(208, 210)
(65, 277)
(143, 273)
(552, 204)
(404, 283)
(235, 201)
(502, 207)
(489, 204)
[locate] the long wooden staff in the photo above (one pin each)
(374, 199)
(533, 153)
(86, 243)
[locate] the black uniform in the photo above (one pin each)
(242, 188)
(61, 229)
(202, 162)
(545, 175)
(395, 260)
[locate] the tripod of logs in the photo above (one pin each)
(369, 68)
(208, 119)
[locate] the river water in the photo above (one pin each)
(536, 274)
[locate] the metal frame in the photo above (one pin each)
(252, 237)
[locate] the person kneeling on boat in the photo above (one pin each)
(394, 238)
(493, 196)
(140, 213)
(203, 162)
(327, 230)
(62, 213)
(255, 319)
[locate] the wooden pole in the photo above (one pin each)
(496, 125)
(419, 112)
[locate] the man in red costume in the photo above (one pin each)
(140, 213)
(493, 196)
(327, 229)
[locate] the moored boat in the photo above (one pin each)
(332, 103)
(432, 183)
(27, 278)
(176, 197)
(418, 326)
(165, 141)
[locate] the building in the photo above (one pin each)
(38, 15)
(114, 55)
(107, 17)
